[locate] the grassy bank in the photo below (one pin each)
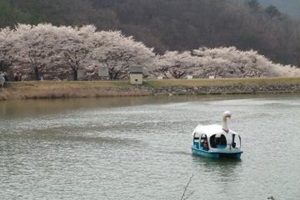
(225, 82)
(67, 89)
(84, 89)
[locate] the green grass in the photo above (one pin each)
(224, 82)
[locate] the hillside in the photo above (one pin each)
(171, 24)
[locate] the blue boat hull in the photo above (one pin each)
(209, 154)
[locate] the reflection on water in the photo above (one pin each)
(20, 108)
(224, 168)
(139, 148)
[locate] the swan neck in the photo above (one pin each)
(225, 124)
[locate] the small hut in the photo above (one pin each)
(136, 75)
(103, 72)
(80, 74)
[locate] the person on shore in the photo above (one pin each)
(5, 77)
(18, 76)
(2, 80)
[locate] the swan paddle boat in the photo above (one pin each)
(217, 141)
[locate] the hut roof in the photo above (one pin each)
(136, 69)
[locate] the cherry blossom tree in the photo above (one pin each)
(73, 46)
(45, 47)
(118, 52)
(235, 63)
(174, 64)
(33, 46)
(6, 44)
(215, 68)
(223, 62)
(57, 52)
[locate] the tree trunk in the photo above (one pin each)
(37, 74)
(75, 74)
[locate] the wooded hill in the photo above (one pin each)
(172, 24)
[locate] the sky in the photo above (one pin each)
(290, 7)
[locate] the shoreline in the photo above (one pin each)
(95, 89)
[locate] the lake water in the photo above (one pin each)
(139, 148)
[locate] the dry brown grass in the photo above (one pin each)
(84, 89)
(71, 89)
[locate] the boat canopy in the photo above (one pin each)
(211, 131)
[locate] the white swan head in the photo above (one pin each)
(226, 116)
